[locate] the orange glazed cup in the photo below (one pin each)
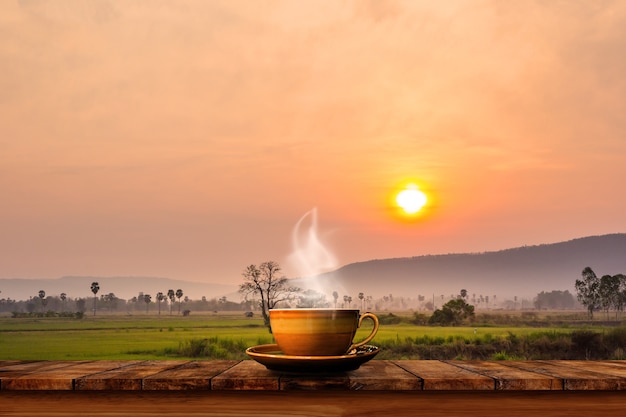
(318, 331)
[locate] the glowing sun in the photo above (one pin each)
(411, 199)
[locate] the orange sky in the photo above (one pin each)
(186, 139)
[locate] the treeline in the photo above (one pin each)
(110, 303)
(555, 300)
(607, 293)
(55, 306)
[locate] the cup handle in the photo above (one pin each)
(372, 334)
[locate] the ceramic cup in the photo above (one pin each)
(318, 331)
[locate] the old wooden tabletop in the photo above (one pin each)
(375, 375)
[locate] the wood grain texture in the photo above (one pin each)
(57, 376)
(246, 375)
(573, 377)
(437, 375)
(375, 375)
(127, 377)
(314, 403)
(511, 378)
(194, 375)
(383, 376)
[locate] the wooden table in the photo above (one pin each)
(220, 387)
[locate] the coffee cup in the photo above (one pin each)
(318, 331)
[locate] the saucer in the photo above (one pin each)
(274, 359)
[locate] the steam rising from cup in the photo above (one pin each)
(310, 256)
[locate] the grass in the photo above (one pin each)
(122, 337)
(226, 336)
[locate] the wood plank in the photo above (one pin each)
(5, 363)
(331, 381)
(25, 369)
(246, 375)
(602, 367)
(59, 378)
(373, 375)
(511, 378)
(573, 378)
(378, 375)
(313, 404)
(125, 378)
(194, 375)
(437, 375)
(383, 375)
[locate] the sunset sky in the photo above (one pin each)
(186, 139)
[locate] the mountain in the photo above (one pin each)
(523, 272)
(122, 287)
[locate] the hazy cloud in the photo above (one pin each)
(230, 113)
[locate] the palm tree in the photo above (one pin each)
(42, 297)
(171, 294)
(147, 298)
(160, 297)
(361, 297)
(347, 299)
(95, 287)
(179, 294)
(63, 298)
(335, 296)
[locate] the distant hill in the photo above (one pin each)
(522, 272)
(122, 287)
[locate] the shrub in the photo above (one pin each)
(420, 319)
(617, 337)
(619, 354)
(389, 319)
(587, 343)
(213, 348)
(504, 356)
(546, 345)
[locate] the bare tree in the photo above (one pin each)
(266, 282)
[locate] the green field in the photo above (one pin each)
(227, 335)
(121, 337)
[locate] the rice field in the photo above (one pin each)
(120, 337)
(209, 335)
